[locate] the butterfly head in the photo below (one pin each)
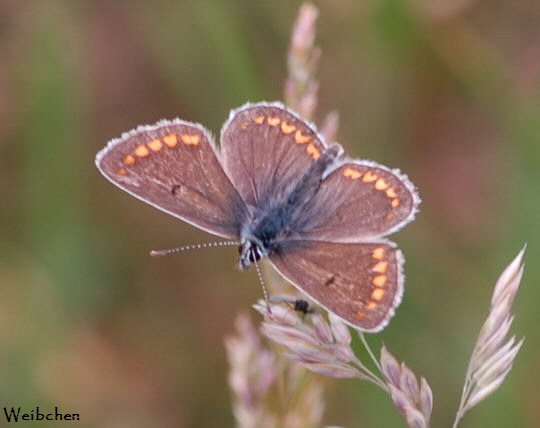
(251, 250)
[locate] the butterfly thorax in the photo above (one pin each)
(260, 237)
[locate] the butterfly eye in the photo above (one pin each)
(250, 250)
(254, 254)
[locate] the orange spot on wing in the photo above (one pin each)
(129, 160)
(369, 177)
(155, 145)
(122, 171)
(380, 280)
(372, 305)
(390, 192)
(313, 151)
(141, 151)
(395, 203)
(352, 173)
(301, 138)
(170, 140)
(378, 294)
(381, 184)
(259, 120)
(244, 125)
(378, 253)
(286, 128)
(190, 139)
(380, 267)
(273, 121)
(359, 315)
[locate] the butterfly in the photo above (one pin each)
(278, 189)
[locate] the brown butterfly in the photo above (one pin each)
(278, 189)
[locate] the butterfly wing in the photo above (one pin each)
(358, 201)
(266, 149)
(362, 283)
(173, 166)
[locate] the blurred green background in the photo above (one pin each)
(449, 92)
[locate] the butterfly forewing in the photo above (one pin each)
(173, 166)
(359, 200)
(266, 149)
(359, 282)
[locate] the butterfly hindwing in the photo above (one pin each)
(360, 282)
(357, 201)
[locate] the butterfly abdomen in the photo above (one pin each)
(274, 224)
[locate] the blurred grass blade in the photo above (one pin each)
(493, 355)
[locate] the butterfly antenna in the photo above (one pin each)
(265, 293)
(159, 253)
